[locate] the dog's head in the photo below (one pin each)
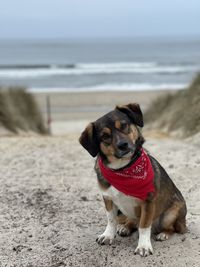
(115, 135)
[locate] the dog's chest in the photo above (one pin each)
(126, 204)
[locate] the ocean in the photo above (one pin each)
(101, 65)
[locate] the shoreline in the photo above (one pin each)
(114, 89)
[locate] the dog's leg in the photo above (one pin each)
(173, 220)
(109, 234)
(126, 228)
(144, 247)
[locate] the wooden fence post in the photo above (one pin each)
(48, 103)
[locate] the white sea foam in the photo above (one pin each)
(113, 87)
(95, 69)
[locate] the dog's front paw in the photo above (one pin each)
(144, 250)
(122, 230)
(162, 236)
(105, 239)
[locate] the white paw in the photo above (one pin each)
(105, 239)
(144, 247)
(122, 230)
(162, 237)
(144, 250)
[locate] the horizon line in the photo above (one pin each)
(185, 37)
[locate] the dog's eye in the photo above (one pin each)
(105, 136)
(124, 126)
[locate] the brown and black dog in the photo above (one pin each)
(116, 139)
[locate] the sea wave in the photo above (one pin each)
(34, 71)
(37, 66)
(112, 87)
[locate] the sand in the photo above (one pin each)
(51, 209)
(91, 105)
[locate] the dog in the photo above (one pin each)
(136, 190)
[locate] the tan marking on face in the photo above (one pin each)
(133, 135)
(108, 151)
(117, 124)
(108, 203)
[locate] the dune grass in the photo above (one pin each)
(178, 111)
(19, 111)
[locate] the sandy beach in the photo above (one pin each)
(91, 105)
(71, 112)
(51, 208)
(64, 64)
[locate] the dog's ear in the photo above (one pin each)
(134, 112)
(88, 140)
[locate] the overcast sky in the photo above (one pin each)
(98, 18)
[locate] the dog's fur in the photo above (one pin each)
(116, 138)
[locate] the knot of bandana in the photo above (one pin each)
(135, 180)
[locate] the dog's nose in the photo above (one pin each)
(122, 145)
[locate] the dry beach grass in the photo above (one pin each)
(19, 111)
(178, 112)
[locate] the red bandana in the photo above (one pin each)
(135, 180)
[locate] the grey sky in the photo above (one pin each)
(98, 18)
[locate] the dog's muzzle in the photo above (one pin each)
(124, 149)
